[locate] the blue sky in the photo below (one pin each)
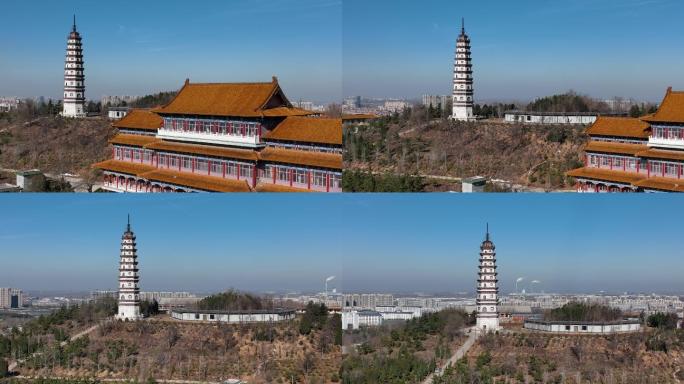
(521, 49)
(372, 242)
(430, 243)
(196, 243)
(140, 47)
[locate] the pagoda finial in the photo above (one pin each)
(74, 28)
(462, 25)
(487, 232)
(128, 226)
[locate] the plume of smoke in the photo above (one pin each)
(329, 279)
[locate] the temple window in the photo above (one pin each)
(283, 174)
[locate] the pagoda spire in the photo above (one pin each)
(74, 27)
(462, 25)
(487, 232)
(128, 226)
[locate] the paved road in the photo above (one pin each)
(460, 352)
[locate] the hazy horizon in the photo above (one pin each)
(372, 243)
(521, 50)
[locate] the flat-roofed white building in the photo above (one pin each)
(362, 318)
(550, 117)
(234, 317)
(620, 326)
(117, 113)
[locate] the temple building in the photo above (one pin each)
(462, 99)
(129, 278)
(74, 80)
(487, 301)
(225, 137)
(643, 154)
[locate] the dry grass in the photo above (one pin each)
(621, 358)
(55, 145)
(167, 349)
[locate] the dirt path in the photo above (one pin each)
(13, 364)
(460, 352)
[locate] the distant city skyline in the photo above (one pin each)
(521, 50)
(372, 243)
(140, 48)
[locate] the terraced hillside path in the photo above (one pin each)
(473, 334)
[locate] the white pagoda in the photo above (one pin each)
(129, 278)
(462, 100)
(74, 80)
(487, 288)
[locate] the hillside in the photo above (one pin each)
(531, 155)
(403, 352)
(166, 349)
(526, 357)
(53, 144)
(304, 350)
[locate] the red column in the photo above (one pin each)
(237, 167)
(168, 161)
(224, 170)
(254, 175)
(308, 179)
(662, 168)
(679, 174)
(290, 174)
(596, 188)
(193, 165)
(327, 182)
(624, 164)
(273, 171)
(610, 162)
(209, 168)
(648, 168)
(178, 158)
